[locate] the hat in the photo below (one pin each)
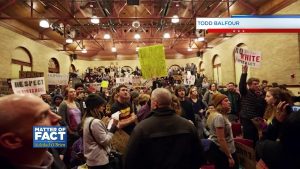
(93, 101)
(58, 96)
(217, 99)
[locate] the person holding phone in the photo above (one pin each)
(275, 115)
(96, 135)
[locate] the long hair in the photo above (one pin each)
(176, 105)
(278, 95)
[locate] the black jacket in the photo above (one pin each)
(252, 104)
(164, 141)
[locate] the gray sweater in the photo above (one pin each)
(94, 153)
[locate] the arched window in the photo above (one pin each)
(217, 73)
(174, 70)
(72, 69)
(238, 66)
(201, 67)
(53, 66)
(21, 61)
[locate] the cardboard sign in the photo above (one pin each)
(250, 58)
(153, 62)
(246, 155)
(34, 86)
(120, 140)
(58, 79)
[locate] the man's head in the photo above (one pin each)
(264, 83)
(180, 92)
(122, 94)
(160, 98)
(253, 84)
(57, 99)
(79, 88)
(18, 114)
(230, 86)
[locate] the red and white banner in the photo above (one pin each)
(250, 58)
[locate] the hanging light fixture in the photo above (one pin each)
(137, 36)
(83, 50)
(175, 19)
(44, 23)
(200, 39)
(113, 49)
(106, 36)
(167, 35)
(95, 19)
(69, 40)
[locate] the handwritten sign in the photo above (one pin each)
(250, 58)
(58, 79)
(34, 86)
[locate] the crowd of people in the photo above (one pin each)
(170, 125)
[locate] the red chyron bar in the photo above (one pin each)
(253, 30)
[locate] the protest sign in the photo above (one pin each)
(104, 84)
(247, 57)
(34, 86)
(153, 62)
(58, 79)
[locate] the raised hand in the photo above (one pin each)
(244, 69)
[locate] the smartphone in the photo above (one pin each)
(295, 108)
(290, 109)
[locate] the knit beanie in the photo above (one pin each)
(218, 98)
(93, 101)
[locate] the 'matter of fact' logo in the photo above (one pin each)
(49, 137)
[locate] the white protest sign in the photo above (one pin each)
(58, 79)
(34, 86)
(122, 80)
(250, 58)
(189, 80)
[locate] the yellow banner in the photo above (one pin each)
(153, 61)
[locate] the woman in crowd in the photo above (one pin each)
(269, 127)
(284, 153)
(96, 136)
(207, 98)
(70, 111)
(222, 149)
(198, 109)
(71, 118)
(273, 97)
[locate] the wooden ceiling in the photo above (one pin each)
(72, 17)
